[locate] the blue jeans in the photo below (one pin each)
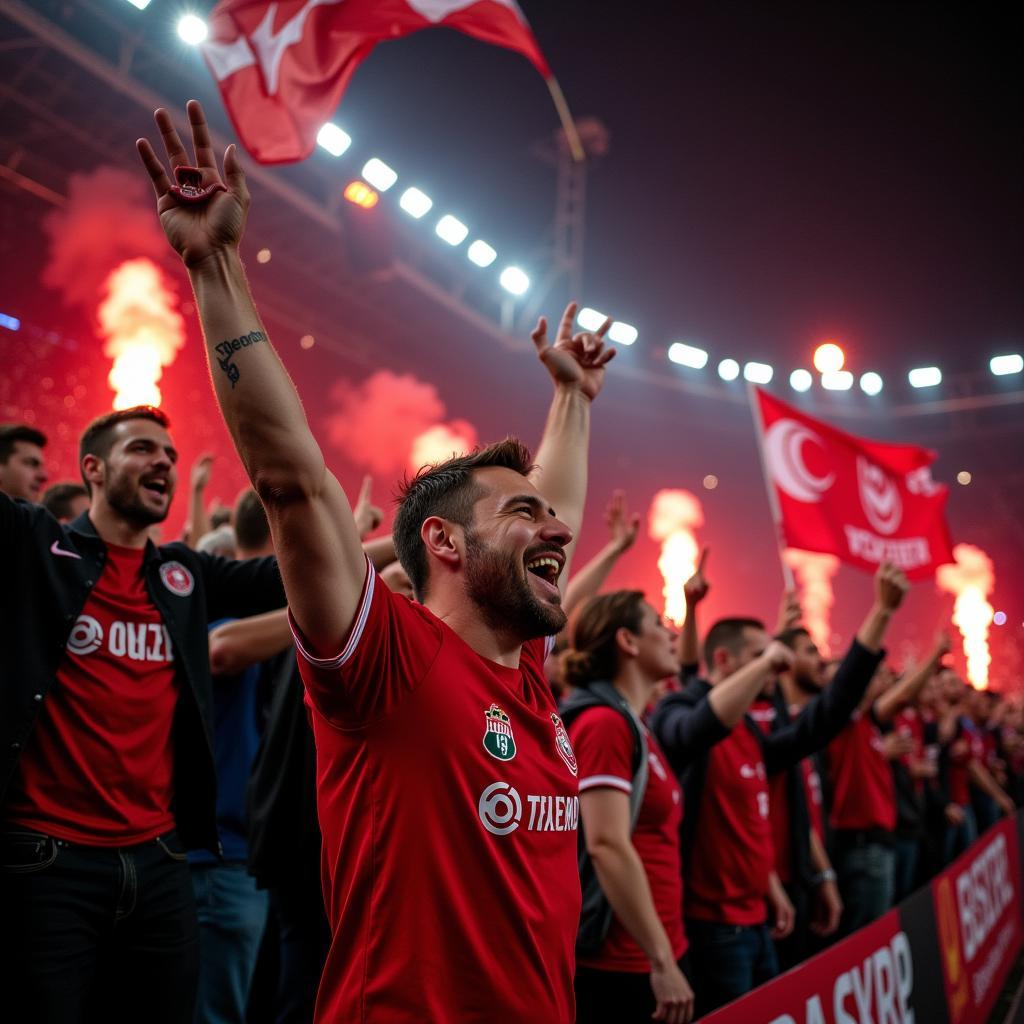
(232, 916)
(867, 873)
(959, 837)
(728, 961)
(96, 933)
(908, 856)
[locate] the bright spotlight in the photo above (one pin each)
(12, 323)
(333, 139)
(141, 4)
(514, 280)
(870, 383)
(925, 377)
(837, 380)
(728, 369)
(688, 355)
(482, 254)
(590, 319)
(758, 373)
(361, 194)
(451, 229)
(1002, 365)
(829, 358)
(999, 618)
(801, 380)
(378, 174)
(622, 334)
(192, 29)
(415, 203)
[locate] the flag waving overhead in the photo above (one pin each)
(863, 501)
(282, 67)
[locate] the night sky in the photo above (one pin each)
(777, 175)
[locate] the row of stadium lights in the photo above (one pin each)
(378, 177)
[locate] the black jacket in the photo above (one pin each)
(52, 570)
(816, 726)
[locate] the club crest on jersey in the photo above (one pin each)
(177, 579)
(498, 739)
(565, 751)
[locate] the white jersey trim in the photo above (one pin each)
(356, 632)
(594, 781)
(549, 646)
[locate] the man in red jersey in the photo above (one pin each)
(447, 783)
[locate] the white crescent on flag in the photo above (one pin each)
(783, 449)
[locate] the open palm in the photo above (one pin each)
(196, 230)
(577, 360)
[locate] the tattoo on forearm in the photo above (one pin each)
(226, 349)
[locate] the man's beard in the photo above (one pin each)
(496, 585)
(123, 497)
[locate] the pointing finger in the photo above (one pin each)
(565, 325)
(540, 334)
(702, 560)
(603, 329)
(172, 141)
(364, 490)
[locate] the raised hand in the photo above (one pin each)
(696, 588)
(200, 474)
(622, 526)
(778, 656)
(575, 360)
(790, 612)
(367, 515)
(891, 586)
(197, 230)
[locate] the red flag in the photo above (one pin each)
(282, 67)
(863, 501)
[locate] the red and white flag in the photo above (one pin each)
(282, 67)
(863, 501)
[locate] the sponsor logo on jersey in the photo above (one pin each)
(136, 641)
(562, 744)
(498, 739)
(177, 579)
(500, 808)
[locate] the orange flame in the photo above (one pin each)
(674, 515)
(143, 331)
(441, 442)
(814, 572)
(971, 580)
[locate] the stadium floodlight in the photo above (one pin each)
(829, 357)
(590, 319)
(837, 380)
(801, 380)
(688, 355)
(758, 373)
(141, 4)
(378, 174)
(451, 229)
(925, 377)
(622, 333)
(1002, 365)
(333, 139)
(415, 203)
(359, 193)
(870, 383)
(192, 29)
(482, 254)
(12, 323)
(514, 280)
(728, 369)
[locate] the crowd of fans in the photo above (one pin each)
(743, 802)
(288, 769)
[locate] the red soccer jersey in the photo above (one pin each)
(863, 790)
(99, 766)
(604, 750)
(764, 713)
(447, 796)
(732, 856)
(908, 724)
(812, 791)
(960, 756)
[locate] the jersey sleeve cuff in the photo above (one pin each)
(355, 631)
(610, 781)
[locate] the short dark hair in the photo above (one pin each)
(57, 499)
(98, 437)
(11, 433)
(252, 530)
(447, 489)
(789, 636)
(727, 633)
(593, 654)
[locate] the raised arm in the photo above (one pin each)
(315, 535)
(622, 530)
(695, 589)
(906, 690)
(576, 364)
